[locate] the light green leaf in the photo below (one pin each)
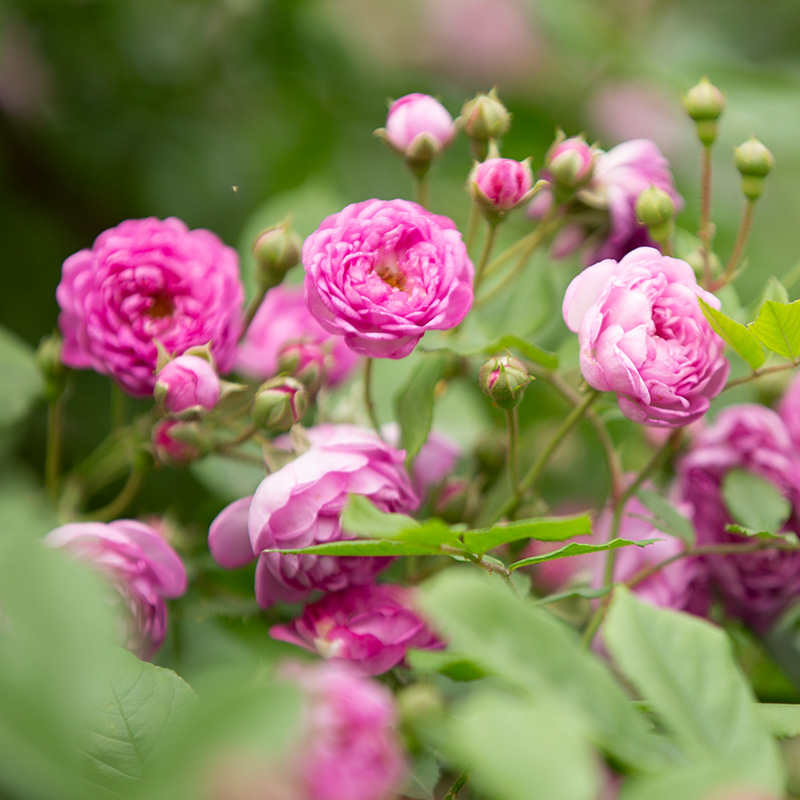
(545, 529)
(454, 665)
(510, 637)
(773, 290)
(532, 352)
(422, 781)
(521, 748)
(782, 719)
(672, 522)
(142, 705)
(366, 547)
(684, 667)
(754, 502)
(21, 385)
(414, 402)
(742, 339)
(226, 477)
(579, 549)
(778, 327)
(789, 536)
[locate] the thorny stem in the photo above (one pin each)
(704, 232)
(512, 425)
(458, 784)
(743, 235)
(368, 401)
(757, 373)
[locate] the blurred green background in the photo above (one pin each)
(229, 113)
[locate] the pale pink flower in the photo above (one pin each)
(419, 120)
(382, 273)
(300, 505)
(500, 184)
(370, 627)
(144, 281)
(187, 385)
(643, 336)
(284, 327)
(757, 587)
(140, 566)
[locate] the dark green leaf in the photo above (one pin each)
(579, 549)
(672, 521)
(546, 529)
(414, 402)
(684, 667)
(21, 384)
(778, 327)
(743, 340)
(754, 502)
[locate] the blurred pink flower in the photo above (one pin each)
(282, 327)
(300, 505)
(141, 567)
(371, 627)
(419, 121)
(187, 385)
(643, 336)
(434, 462)
(174, 442)
(143, 281)
(382, 273)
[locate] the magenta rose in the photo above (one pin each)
(148, 280)
(371, 627)
(300, 505)
(283, 328)
(382, 273)
(500, 184)
(418, 121)
(757, 587)
(140, 566)
(187, 386)
(643, 336)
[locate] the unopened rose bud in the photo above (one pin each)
(482, 119)
(176, 443)
(655, 209)
(187, 387)
(276, 251)
(279, 403)
(504, 379)
(754, 162)
(570, 162)
(704, 103)
(499, 185)
(52, 369)
(418, 127)
(304, 361)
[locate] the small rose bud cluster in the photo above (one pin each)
(504, 379)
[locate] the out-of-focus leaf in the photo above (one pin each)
(21, 385)
(742, 339)
(672, 521)
(790, 536)
(684, 667)
(142, 705)
(754, 501)
(227, 478)
(778, 327)
(782, 719)
(579, 549)
(773, 290)
(544, 358)
(455, 666)
(422, 781)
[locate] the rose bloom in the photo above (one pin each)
(148, 280)
(370, 627)
(300, 505)
(643, 336)
(418, 117)
(187, 385)
(789, 409)
(757, 587)
(382, 273)
(140, 566)
(282, 326)
(500, 183)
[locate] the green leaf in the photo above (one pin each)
(455, 666)
(672, 521)
(142, 705)
(782, 719)
(421, 783)
(227, 478)
(22, 384)
(754, 502)
(515, 743)
(773, 290)
(778, 327)
(742, 339)
(510, 637)
(789, 536)
(545, 529)
(532, 352)
(579, 549)
(366, 547)
(414, 402)
(684, 667)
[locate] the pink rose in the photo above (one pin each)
(500, 184)
(140, 566)
(642, 335)
(757, 587)
(300, 505)
(570, 161)
(371, 627)
(381, 273)
(434, 462)
(186, 386)
(419, 121)
(283, 328)
(143, 281)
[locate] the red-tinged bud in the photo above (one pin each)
(504, 379)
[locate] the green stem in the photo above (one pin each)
(369, 403)
(458, 784)
(738, 249)
(472, 225)
(704, 231)
(538, 467)
(119, 407)
(52, 461)
(421, 193)
(757, 373)
(488, 243)
(510, 252)
(255, 304)
(512, 425)
(114, 509)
